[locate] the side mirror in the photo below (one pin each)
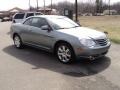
(45, 27)
(106, 32)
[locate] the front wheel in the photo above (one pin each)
(65, 53)
(17, 41)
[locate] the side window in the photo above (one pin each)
(29, 14)
(42, 22)
(19, 16)
(28, 21)
(35, 22)
(39, 22)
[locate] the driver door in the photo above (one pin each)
(41, 37)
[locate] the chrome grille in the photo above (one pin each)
(102, 42)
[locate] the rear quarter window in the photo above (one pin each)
(29, 14)
(19, 16)
(38, 14)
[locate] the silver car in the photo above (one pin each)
(62, 36)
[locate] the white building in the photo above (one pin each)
(112, 12)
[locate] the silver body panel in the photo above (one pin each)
(46, 40)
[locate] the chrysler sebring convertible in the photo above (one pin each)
(61, 36)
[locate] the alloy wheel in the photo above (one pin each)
(64, 53)
(17, 41)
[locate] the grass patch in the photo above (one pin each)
(115, 41)
(110, 24)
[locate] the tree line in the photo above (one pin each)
(89, 7)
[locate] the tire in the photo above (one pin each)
(65, 53)
(17, 42)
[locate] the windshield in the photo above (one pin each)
(62, 23)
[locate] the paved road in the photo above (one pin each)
(31, 69)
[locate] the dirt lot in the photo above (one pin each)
(111, 24)
(31, 69)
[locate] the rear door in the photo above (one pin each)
(31, 31)
(40, 37)
(26, 31)
(18, 18)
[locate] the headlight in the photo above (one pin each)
(88, 42)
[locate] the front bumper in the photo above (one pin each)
(92, 52)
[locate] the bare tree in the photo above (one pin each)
(116, 7)
(98, 6)
(63, 5)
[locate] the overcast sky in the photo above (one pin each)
(8, 4)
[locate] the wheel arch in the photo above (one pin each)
(15, 34)
(60, 42)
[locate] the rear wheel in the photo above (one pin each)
(17, 41)
(65, 53)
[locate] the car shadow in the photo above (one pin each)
(41, 59)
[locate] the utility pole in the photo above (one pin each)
(29, 5)
(51, 5)
(44, 6)
(109, 7)
(37, 5)
(76, 11)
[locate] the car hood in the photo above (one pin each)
(83, 32)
